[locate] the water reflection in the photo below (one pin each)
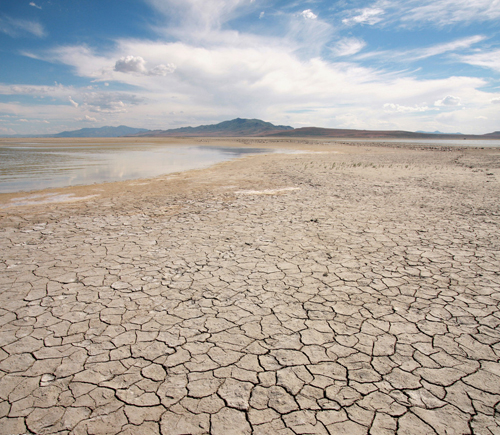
(31, 168)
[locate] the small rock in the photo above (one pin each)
(47, 379)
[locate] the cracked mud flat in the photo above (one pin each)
(357, 294)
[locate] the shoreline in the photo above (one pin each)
(306, 145)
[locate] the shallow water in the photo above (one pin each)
(26, 168)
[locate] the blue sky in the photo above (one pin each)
(383, 64)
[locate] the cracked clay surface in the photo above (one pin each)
(352, 292)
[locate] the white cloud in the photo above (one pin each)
(437, 49)
(131, 64)
(410, 13)
(365, 16)
(57, 90)
(136, 64)
(7, 131)
(469, 121)
(307, 34)
(495, 100)
(200, 15)
(86, 63)
(447, 12)
(449, 100)
(17, 28)
(308, 14)
(392, 108)
(94, 101)
(73, 103)
(109, 102)
(43, 121)
(86, 118)
(42, 118)
(35, 5)
(262, 14)
(485, 59)
(348, 46)
(162, 70)
(425, 52)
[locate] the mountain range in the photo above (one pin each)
(255, 127)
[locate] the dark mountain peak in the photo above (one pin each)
(234, 127)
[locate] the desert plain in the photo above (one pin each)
(352, 288)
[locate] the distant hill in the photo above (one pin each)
(434, 132)
(121, 130)
(377, 134)
(236, 127)
(494, 135)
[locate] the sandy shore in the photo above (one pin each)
(345, 290)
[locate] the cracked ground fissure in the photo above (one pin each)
(352, 292)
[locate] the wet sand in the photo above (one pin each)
(347, 289)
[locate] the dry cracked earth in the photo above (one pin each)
(339, 293)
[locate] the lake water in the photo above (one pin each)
(27, 167)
